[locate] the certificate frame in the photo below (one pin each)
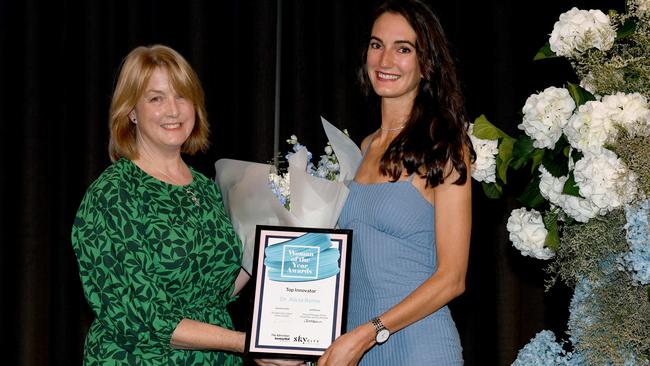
(297, 315)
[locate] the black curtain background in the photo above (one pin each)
(58, 64)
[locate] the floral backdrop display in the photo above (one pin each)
(580, 168)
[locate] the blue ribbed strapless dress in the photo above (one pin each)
(393, 252)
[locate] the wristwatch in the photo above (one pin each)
(382, 332)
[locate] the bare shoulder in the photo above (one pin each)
(366, 141)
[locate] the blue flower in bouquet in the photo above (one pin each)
(328, 166)
(293, 140)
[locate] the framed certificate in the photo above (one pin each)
(300, 291)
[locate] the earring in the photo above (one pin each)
(135, 121)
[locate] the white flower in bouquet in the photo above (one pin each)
(545, 114)
(551, 187)
(293, 140)
(484, 168)
(579, 30)
(528, 234)
(629, 111)
(328, 166)
(605, 180)
(590, 127)
(280, 186)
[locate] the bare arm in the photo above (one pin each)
(192, 334)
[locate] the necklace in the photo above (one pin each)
(391, 129)
(188, 191)
(193, 197)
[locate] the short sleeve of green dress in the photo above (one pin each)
(151, 254)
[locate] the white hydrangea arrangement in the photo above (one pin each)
(604, 180)
(590, 127)
(585, 204)
(579, 30)
(546, 114)
(631, 111)
(577, 208)
(597, 122)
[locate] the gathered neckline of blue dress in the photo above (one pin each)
(380, 183)
(410, 183)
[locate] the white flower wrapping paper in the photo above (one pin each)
(315, 202)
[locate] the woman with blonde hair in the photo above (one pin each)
(158, 258)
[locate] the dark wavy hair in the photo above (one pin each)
(432, 143)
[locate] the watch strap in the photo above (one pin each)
(378, 324)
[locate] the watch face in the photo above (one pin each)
(382, 335)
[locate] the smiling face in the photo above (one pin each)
(392, 62)
(164, 118)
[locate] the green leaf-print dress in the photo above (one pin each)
(149, 257)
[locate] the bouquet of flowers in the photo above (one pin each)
(328, 167)
(302, 196)
(585, 203)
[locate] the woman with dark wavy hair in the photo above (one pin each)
(410, 203)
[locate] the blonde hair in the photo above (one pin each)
(136, 70)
